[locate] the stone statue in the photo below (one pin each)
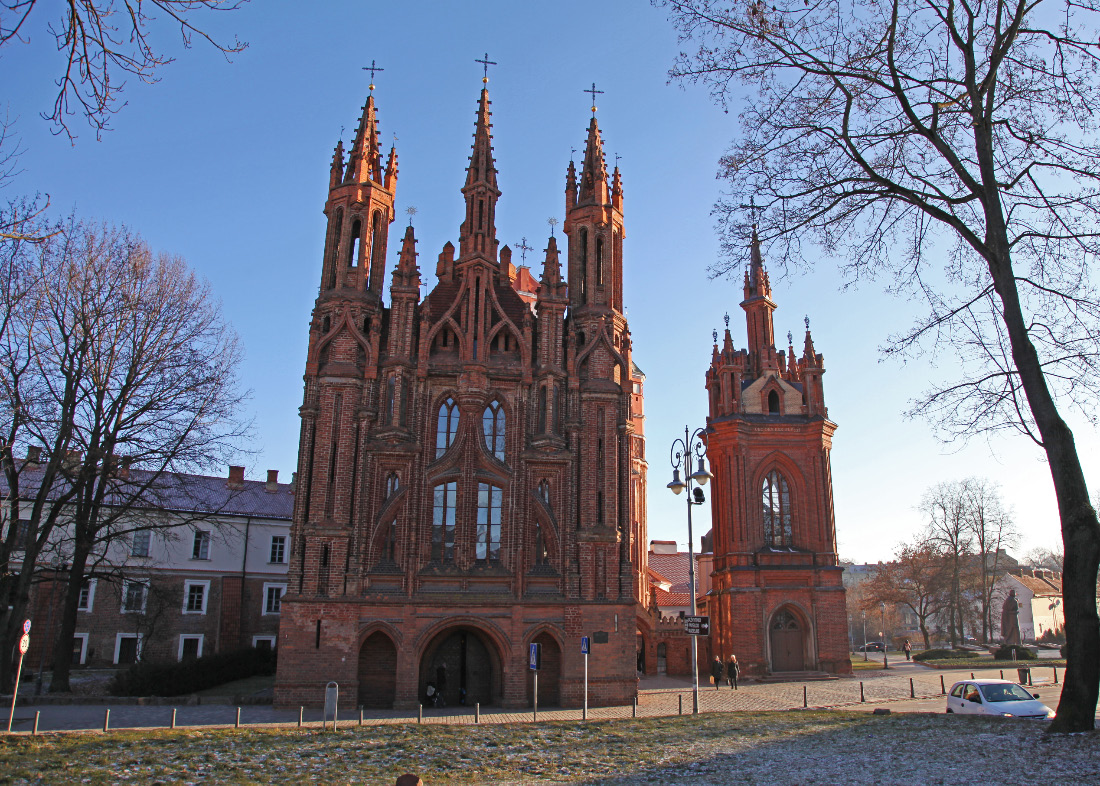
(1010, 620)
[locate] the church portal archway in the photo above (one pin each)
(786, 635)
(549, 673)
(377, 671)
(464, 666)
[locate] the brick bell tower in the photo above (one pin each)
(778, 600)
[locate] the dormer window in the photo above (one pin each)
(773, 403)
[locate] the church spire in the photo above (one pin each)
(365, 162)
(759, 309)
(477, 235)
(593, 185)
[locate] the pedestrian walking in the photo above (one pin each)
(716, 671)
(908, 649)
(733, 671)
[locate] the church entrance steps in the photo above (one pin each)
(796, 676)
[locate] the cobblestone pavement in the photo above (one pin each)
(658, 696)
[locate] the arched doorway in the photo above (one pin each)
(662, 658)
(786, 637)
(464, 665)
(549, 673)
(377, 671)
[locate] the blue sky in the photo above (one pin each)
(227, 165)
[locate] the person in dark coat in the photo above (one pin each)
(716, 671)
(733, 671)
(908, 649)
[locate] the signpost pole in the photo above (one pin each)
(585, 687)
(536, 715)
(24, 645)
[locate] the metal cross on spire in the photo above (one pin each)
(594, 93)
(523, 249)
(727, 318)
(790, 339)
(553, 222)
(372, 68)
(411, 210)
(752, 207)
(485, 62)
(617, 157)
(807, 321)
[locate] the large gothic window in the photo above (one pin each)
(492, 423)
(447, 427)
(777, 511)
(488, 521)
(443, 522)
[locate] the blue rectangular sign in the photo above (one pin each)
(584, 645)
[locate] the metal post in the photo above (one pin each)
(360, 714)
(912, 692)
(681, 697)
(301, 712)
(34, 731)
(173, 725)
(419, 713)
(864, 615)
(107, 720)
(477, 712)
(691, 579)
(535, 718)
(885, 643)
(943, 688)
(804, 701)
(1002, 674)
(584, 712)
(861, 697)
(237, 723)
(15, 690)
(634, 711)
(1055, 675)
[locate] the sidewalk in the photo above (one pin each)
(658, 696)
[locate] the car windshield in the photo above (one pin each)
(1006, 692)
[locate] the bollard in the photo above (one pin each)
(681, 704)
(301, 711)
(34, 731)
(419, 713)
(912, 693)
(861, 697)
(477, 712)
(1002, 674)
(173, 724)
(634, 711)
(943, 689)
(804, 704)
(1055, 675)
(971, 675)
(107, 720)
(360, 714)
(237, 723)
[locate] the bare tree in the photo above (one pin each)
(132, 372)
(102, 42)
(918, 578)
(947, 531)
(993, 530)
(1050, 559)
(902, 134)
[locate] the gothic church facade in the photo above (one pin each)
(471, 471)
(777, 600)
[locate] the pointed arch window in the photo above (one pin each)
(599, 261)
(559, 408)
(391, 384)
(584, 265)
(492, 424)
(542, 409)
(773, 403)
(393, 483)
(446, 427)
(389, 547)
(489, 500)
(354, 243)
(541, 555)
(544, 491)
(777, 511)
(443, 522)
(377, 248)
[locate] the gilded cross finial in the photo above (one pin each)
(372, 68)
(594, 92)
(485, 63)
(523, 249)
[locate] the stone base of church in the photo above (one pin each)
(384, 652)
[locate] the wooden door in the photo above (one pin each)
(786, 643)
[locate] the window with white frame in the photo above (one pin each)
(201, 549)
(263, 642)
(190, 647)
(139, 544)
(273, 598)
(87, 596)
(134, 595)
(194, 596)
(80, 649)
(278, 549)
(127, 648)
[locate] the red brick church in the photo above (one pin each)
(776, 599)
(471, 471)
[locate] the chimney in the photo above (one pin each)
(34, 454)
(293, 481)
(273, 480)
(236, 477)
(124, 468)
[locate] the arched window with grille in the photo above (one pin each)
(492, 424)
(446, 427)
(777, 510)
(489, 500)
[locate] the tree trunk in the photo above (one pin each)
(62, 656)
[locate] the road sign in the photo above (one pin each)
(585, 645)
(24, 643)
(26, 626)
(697, 626)
(534, 657)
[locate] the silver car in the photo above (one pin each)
(995, 697)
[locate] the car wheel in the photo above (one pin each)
(950, 711)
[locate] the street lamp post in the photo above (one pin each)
(864, 615)
(885, 661)
(682, 451)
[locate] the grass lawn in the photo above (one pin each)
(246, 687)
(775, 747)
(859, 664)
